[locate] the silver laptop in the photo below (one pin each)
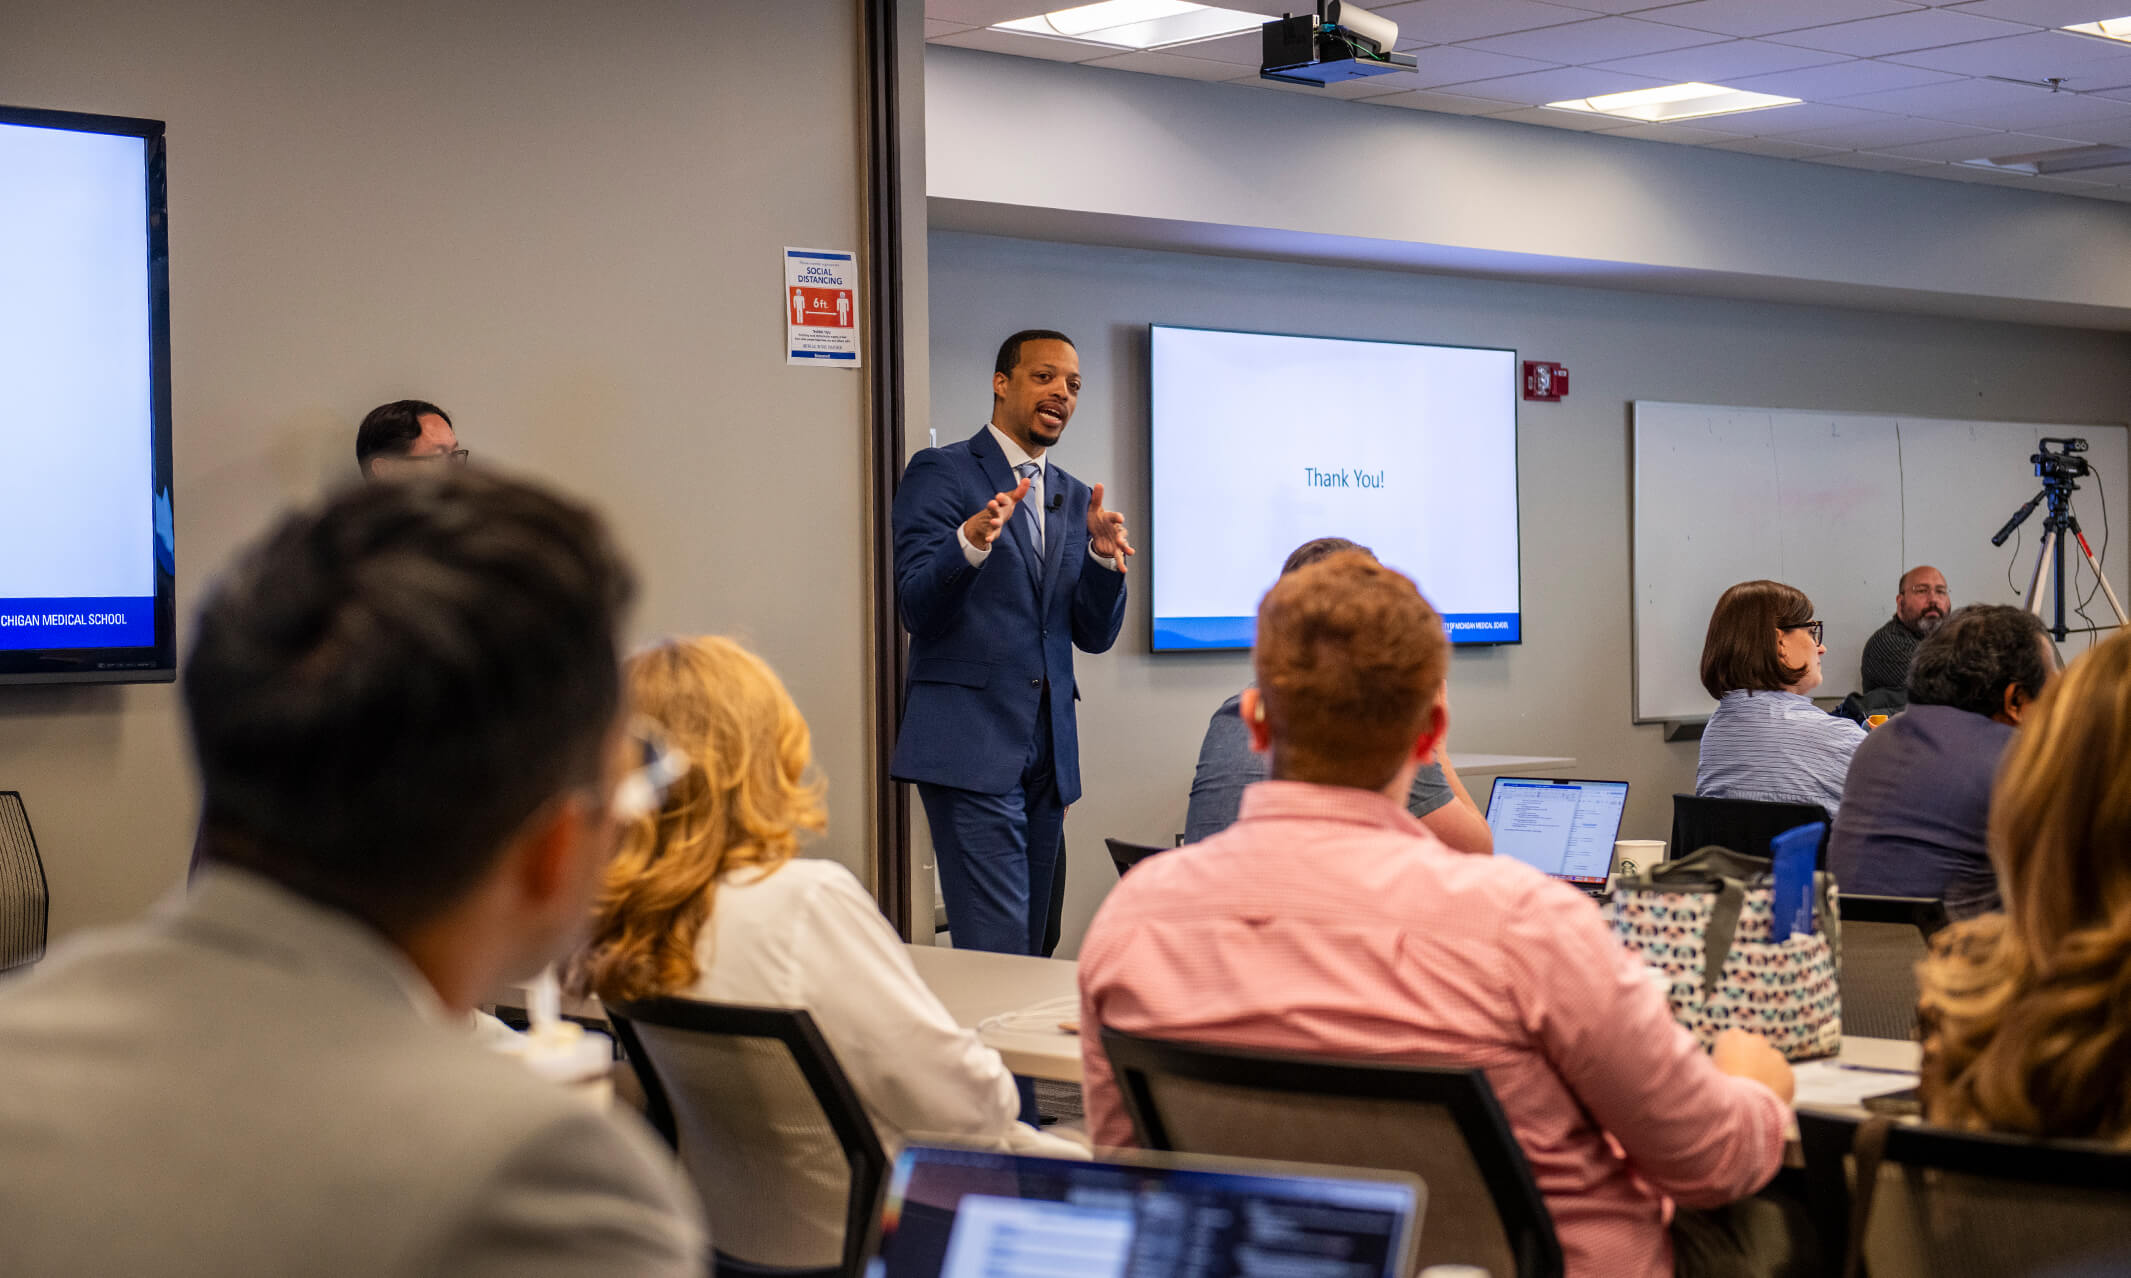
(953, 1213)
(1563, 828)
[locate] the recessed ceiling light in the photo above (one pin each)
(1669, 102)
(2107, 29)
(1137, 24)
(2070, 159)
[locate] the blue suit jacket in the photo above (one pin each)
(985, 642)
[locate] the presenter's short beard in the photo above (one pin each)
(1929, 622)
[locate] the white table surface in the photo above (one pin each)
(975, 986)
(1467, 765)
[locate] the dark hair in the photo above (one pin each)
(391, 429)
(1310, 552)
(1740, 649)
(1010, 349)
(1976, 654)
(1350, 659)
(385, 688)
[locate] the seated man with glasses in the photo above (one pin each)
(1767, 740)
(1328, 921)
(406, 437)
(407, 714)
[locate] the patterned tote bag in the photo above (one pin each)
(1704, 924)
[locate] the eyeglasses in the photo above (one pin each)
(1813, 628)
(660, 765)
(456, 457)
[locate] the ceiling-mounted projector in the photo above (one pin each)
(1339, 42)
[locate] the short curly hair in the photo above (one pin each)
(1350, 661)
(1977, 653)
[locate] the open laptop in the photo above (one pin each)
(955, 1213)
(1560, 827)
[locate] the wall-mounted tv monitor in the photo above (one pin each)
(87, 554)
(1261, 442)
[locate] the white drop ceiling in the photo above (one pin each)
(1887, 85)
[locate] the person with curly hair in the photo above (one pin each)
(2026, 1015)
(1917, 801)
(707, 899)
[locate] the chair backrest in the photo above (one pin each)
(1883, 939)
(1953, 1204)
(1441, 1124)
(1743, 825)
(25, 898)
(768, 1126)
(1125, 855)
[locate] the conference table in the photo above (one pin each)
(1015, 1005)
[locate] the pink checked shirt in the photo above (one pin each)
(1328, 921)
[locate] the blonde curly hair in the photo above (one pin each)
(2027, 1015)
(744, 800)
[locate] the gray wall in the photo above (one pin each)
(1566, 690)
(562, 222)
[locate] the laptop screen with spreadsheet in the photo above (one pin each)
(1560, 827)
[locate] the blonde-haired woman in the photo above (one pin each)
(2027, 1014)
(706, 900)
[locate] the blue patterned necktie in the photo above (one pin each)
(1025, 510)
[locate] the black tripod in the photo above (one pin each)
(2059, 472)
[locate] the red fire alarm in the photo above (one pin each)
(1545, 382)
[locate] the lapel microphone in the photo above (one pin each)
(1057, 500)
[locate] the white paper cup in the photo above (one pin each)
(1636, 854)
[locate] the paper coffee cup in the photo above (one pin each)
(1632, 856)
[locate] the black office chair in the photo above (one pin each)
(1125, 855)
(1441, 1124)
(1953, 1204)
(734, 1090)
(1743, 825)
(25, 897)
(1883, 939)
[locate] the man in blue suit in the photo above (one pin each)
(1004, 563)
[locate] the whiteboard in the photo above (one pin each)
(1839, 505)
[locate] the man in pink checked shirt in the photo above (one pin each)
(1328, 921)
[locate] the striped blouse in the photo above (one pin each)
(1777, 747)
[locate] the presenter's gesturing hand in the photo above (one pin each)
(1106, 531)
(986, 524)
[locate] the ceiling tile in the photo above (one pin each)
(984, 13)
(1446, 64)
(1875, 163)
(1721, 63)
(1596, 40)
(1902, 33)
(1886, 133)
(2044, 13)
(1558, 85)
(2114, 175)
(1172, 64)
(2048, 113)
(1985, 146)
(2114, 132)
(1026, 46)
(1245, 49)
(1621, 6)
(1956, 100)
(1842, 80)
(1685, 133)
(1580, 121)
(1763, 17)
(1774, 148)
(1449, 21)
(935, 28)
(2037, 55)
(1781, 121)
(1448, 103)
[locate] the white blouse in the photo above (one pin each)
(807, 935)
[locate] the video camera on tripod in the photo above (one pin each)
(2060, 472)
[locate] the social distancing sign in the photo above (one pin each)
(821, 307)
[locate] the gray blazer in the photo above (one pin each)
(246, 1083)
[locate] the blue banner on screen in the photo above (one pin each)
(1261, 442)
(1179, 634)
(77, 623)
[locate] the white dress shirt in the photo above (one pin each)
(1016, 457)
(807, 935)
